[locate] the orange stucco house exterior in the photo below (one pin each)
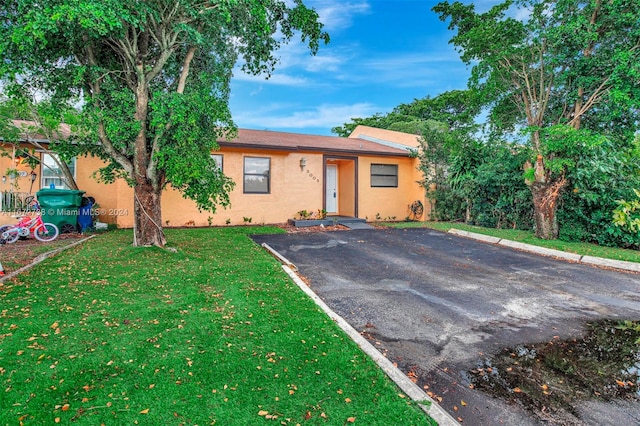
(372, 175)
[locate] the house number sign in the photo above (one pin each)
(311, 175)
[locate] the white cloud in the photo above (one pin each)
(336, 14)
(277, 79)
(327, 116)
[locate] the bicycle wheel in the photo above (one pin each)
(9, 234)
(46, 232)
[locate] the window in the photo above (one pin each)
(257, 171)
(52, 174)
(217, 158)
(384, 175)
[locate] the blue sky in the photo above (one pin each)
(382, 53)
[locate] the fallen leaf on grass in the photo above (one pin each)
(145, 411)
(351, 419)
(263, 413)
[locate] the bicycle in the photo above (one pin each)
(42, 231)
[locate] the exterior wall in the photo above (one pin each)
(408, 191)
(20, 185)
(292, 189)
(377, 203)
(106, 195)
(406, 139)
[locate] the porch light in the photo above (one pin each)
(4, 179)
(303, 163)
(33, 176)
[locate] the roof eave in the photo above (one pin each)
(311, 149)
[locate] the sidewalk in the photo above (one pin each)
(573, 257)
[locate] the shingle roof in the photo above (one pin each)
(31, 131)
(281, 141)
(266, 139)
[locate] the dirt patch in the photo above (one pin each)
(291, 229)
(22, 252)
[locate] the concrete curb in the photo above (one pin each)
(42, 257)
(610, 263)
(479, 237)
(407, 386)
(541, 250)
(587, 260)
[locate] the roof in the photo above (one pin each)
(266, 139)
(281, 141)
(30, 131)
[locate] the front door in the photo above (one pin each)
(331, 191)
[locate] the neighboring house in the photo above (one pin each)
(374, 177)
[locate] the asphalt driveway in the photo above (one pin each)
(439, 305)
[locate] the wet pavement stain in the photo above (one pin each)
(548, 379)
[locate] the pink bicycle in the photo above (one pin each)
(29, 225)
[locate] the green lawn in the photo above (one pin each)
(529, 238)
(214, 333)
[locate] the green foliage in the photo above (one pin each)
(569, 75)
(602, 176)
(475, 182)
(451, 110)
(153, 78)
(627, 214)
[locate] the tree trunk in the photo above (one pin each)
(467, 213)
(545, 205)
(147, 228)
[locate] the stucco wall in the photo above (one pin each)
(389, 203)
(406, 139)
(292, 189)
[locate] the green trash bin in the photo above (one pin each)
(60, 207)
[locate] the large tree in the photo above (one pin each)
(456, 109)
(569, 66)
(153, 78)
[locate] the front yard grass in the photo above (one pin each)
(106, 333)
(528, 237)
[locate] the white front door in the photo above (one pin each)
(331, 195)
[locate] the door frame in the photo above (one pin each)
(337, 160)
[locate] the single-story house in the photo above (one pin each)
(372, 175)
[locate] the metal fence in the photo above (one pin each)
(13, 201)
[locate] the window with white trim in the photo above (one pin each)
(51, 173)
(217, 158)
(257, 175)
